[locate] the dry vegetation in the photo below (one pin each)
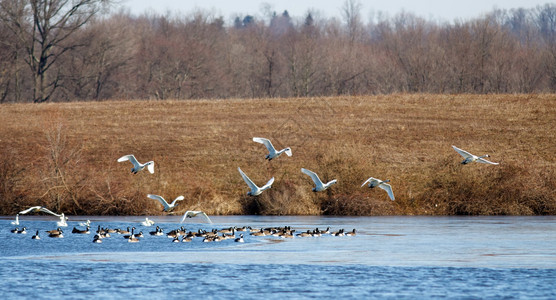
(64, 155)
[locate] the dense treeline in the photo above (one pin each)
(122, 56)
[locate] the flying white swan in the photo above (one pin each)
(194, 213)
(319, 186)
(272, 153)
(167, 207)
(147, 222)
(469, 158)
(63, 218)
(16, 222)
(373, 182)
(255, 190)
(137, 166)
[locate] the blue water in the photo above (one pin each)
(390, 258)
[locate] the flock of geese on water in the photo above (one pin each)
(228, 233)
(214, 235)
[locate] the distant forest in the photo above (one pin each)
(62, 50)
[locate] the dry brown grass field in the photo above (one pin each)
(63, 156)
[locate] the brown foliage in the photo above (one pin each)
(64, 155)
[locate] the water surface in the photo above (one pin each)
(390, 257)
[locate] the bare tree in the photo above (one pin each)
(44, 28)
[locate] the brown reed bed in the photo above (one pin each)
(63, 156)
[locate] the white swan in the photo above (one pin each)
(194, 213)
(137, 166)
(16, 222)
(469, 158)
(255, 190)
(167, 207)
(272, 153)
(373, 182)
(63, 218)
(86, 224)
(319, 186)
(147, 222)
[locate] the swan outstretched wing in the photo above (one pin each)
(129, 157)
(150, 167)
(369, 181)
(388, 189)
(462, 152)
(160, 199)
(268, 184)
(46, 210)
(313, 176)
(249, 182)
(30, 209)
(194, 213)
(179, 198)
(288, 151)
(484, 161)
(265, 142)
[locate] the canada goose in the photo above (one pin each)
(97, 239)
(351, 233)
(469, 158)
(22, 231)
(272, 153)
(55, 234)
(125, 231)
(167, 207)
(157, 232)
(339, 233)
(305, 234)
(78, 231)
(132, 238)
(176, 239)
(55, 231)
(239, 239)
(194, 213)
(137, 166)
(36, 236)
(14, 230)
(373, 182)
(255, 190)
(63, 218)
(319, 185)
(259, 233)
(187, 238)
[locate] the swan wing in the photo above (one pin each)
(369, 181)
(206, 217)
(150, 166)
(267, 144)
(288, 151)
(249, 182)
(129, 157)
(30, 209)
(388, 189)
(484, 161)
(193, 213)
(463, 153)
(313, 176)
(46, 210)
(179, 198)
(160, 199)
(268, 184)
(331, 182)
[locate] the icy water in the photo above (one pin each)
(389, 258)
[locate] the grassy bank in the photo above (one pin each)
(63, 156)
